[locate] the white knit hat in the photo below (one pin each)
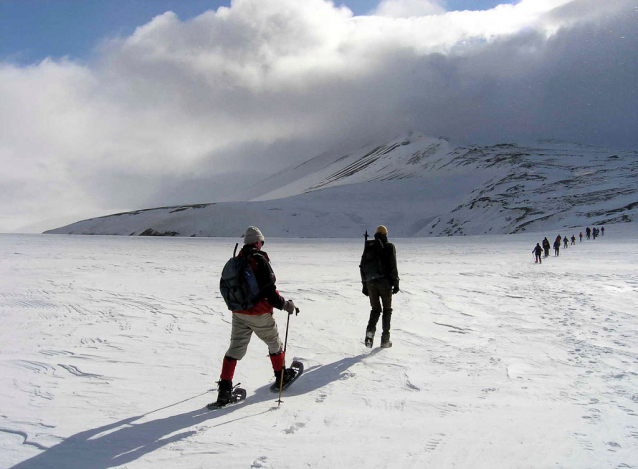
(253, 235)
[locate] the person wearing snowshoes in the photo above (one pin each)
(380, 279)
(258, 319)
(538, 250)
(546, 246)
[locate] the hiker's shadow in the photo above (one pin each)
(125, 441)
(319, 376)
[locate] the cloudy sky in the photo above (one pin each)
(118, 105)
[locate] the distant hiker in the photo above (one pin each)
(573, 240)
(256, 315)
(538, 250)
(380, 279)
(602, 230)
(581, 236)
(565, 241)
(594, 232)
(557, 247)
(588, 232)
(546, 246)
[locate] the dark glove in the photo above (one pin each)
(289, 306)
(395, 289)
(364, 290)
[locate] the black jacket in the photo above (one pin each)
(388, 256)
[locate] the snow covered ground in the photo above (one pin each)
(108, 346)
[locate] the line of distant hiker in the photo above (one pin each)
(538, 250)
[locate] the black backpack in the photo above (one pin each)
(238, 284)
(371, 261)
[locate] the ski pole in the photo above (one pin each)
(281, 378)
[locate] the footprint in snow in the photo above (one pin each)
(293, 428)
(259, 462)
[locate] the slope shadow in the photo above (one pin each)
(125, 441)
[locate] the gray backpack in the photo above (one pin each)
(238, 284)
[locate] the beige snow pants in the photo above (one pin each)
(244, 325)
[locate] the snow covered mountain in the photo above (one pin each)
(417, 186)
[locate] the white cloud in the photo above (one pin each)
(265, 82)
(409, 8)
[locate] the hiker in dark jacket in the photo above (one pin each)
(538, 250)
(557, 247)
(258, 319)
(380, 279)
(546, 246)
(566, 241)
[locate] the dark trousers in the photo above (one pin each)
(381, 302)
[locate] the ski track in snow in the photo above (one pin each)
(111, 345)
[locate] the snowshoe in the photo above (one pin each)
(290, 376)
(227, 396)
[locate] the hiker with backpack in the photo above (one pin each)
(380, 279)
(248, 288)
(557, 247)
(546, 246)
(538, 250)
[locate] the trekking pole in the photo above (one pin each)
(281, 378)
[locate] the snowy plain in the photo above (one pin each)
(109, 347)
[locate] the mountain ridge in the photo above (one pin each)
(418, 186)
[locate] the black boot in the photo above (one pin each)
(385, 340)
(224, 391)
(288, 373)
(369, 338)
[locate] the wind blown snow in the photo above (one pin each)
(110, 346)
